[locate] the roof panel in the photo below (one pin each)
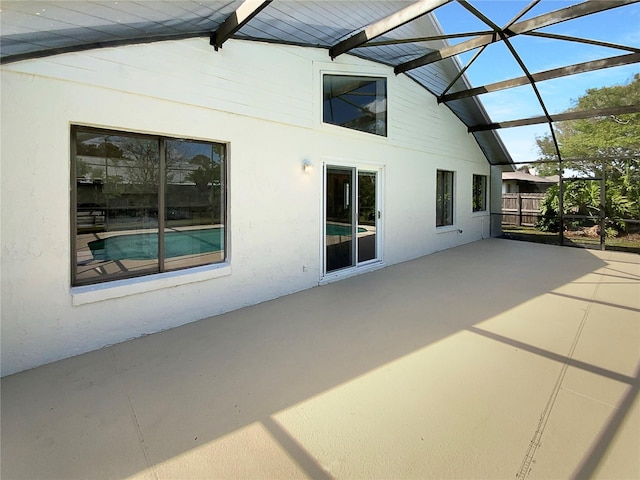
(493, 147)
(36, 20)
(318, 23)
(38, 28)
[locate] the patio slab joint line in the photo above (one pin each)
(536, 441)
(134, 417)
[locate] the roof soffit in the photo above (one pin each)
(400, 33)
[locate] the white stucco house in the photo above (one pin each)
(146, 185)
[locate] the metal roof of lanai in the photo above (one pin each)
(401, 34)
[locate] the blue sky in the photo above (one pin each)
(619, 25)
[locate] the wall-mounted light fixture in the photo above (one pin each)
(307, 165)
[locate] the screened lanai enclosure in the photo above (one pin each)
(476, 57)
(593, 207)
(252, 239)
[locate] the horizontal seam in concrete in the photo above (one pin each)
(568, 360)
(578, 394)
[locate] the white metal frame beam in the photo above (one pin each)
(560, 117)
(234, 22)
(546, 75)
(385, 25)
(526, 26)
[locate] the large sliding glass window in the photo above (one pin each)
(352, 216)
(359, 103)
(144, 204)
(444, 198)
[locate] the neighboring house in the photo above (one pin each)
(151, 185)
(524, 182)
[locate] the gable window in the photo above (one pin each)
(144, 204)
(479, 193)
(359, 103)
(444, 198)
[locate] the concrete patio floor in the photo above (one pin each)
(497, 359)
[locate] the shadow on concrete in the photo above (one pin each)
(601, 445)
(191, 385)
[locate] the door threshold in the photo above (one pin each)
(350, 272)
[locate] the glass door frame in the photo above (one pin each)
(356, 168)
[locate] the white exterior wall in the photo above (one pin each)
(265, 102)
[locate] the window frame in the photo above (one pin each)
(483, 207)
(356, 76)
(161, 198)
(451, 209)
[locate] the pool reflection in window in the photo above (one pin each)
(145, 204)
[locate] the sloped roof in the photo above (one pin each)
(403, 34)
(527, 177)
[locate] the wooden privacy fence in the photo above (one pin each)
(521, 208)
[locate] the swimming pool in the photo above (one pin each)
(336, 229)
(144, 246)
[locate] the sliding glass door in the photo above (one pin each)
(351, 217)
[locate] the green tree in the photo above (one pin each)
(593, 147)
(205, 172)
